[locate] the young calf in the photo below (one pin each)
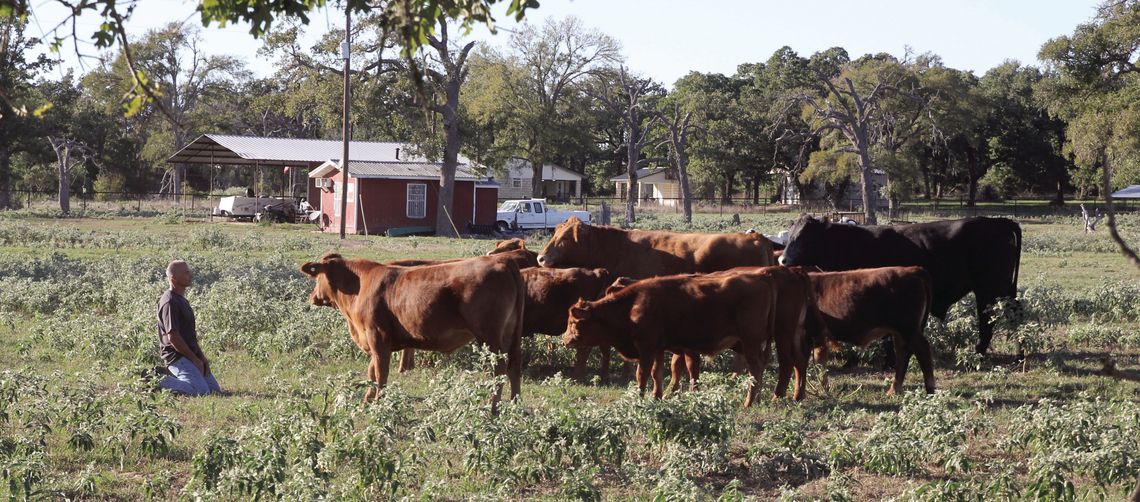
(681, 313)
(861, 306)
(796, 326)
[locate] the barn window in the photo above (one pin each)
(417, 200)
(516, 182)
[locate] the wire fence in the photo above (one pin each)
(125, 203)
(202, 205)
(906, 211)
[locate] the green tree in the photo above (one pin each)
(17, 108)
(1021, 136)
(193, 90)
(538, 88)
(954, 145)
(852, 106)
(784, 76)
(411, 22)
(1094, 83)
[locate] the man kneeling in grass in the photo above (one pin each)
(178, 340)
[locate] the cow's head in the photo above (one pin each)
(806, 242)
(619, 284)
(568, 247)
(334, 279)
(508, 245)
(583, 328)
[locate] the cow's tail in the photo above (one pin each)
(520, 300)
(1017, 256)
(928, 305)
(813, 323)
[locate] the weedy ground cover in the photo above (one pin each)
(76, 308)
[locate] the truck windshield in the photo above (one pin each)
(509, 206)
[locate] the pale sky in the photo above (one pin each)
(666, 39)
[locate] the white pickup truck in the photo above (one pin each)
(525, 214)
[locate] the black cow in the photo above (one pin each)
(982, 255)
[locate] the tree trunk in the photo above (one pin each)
(64, 180)
(536, 180)
(5, 179)
(445, 224)
(891, 201)
(686, 192)
(925, 168)
(1059, 199)
(632, 193)
(868, 187)
(726, 190)
(179, 169)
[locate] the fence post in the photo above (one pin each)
(139, 208)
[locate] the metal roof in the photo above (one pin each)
(1132, 192)
(394, 170)
(641, 174)
(250, 150)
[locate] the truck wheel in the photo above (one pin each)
(502, 227)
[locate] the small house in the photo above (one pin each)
(400, 196)
(654, 186)
(558, 183)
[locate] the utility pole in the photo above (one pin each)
(345, 50)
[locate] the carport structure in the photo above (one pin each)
(299, 155)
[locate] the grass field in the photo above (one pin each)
(77, 301)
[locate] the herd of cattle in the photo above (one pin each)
(644, 293)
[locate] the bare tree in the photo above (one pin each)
(69, 154)
(553, 60)
(631, 97)
(679, 125)
(852, 106)
(447, 82)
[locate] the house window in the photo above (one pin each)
(417, 200)
(516, 182)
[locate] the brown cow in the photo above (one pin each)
(641, 254)
(550, 292)
(796, 326)
(861, 306)
(520, 255)
(680, 313)
(512, 244)
(517, 244)
(523, 258)
(437, 307)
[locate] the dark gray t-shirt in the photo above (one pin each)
(175, 314)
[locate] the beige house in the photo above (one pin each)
(654, 186)
(558, 183)
(854, 190)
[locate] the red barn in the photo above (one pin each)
(398, 188)
(399, 197)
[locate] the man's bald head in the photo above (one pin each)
(178, 275)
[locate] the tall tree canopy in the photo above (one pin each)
(1094, 84)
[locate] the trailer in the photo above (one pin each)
(255, 208)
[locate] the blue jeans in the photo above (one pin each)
(186, 379)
